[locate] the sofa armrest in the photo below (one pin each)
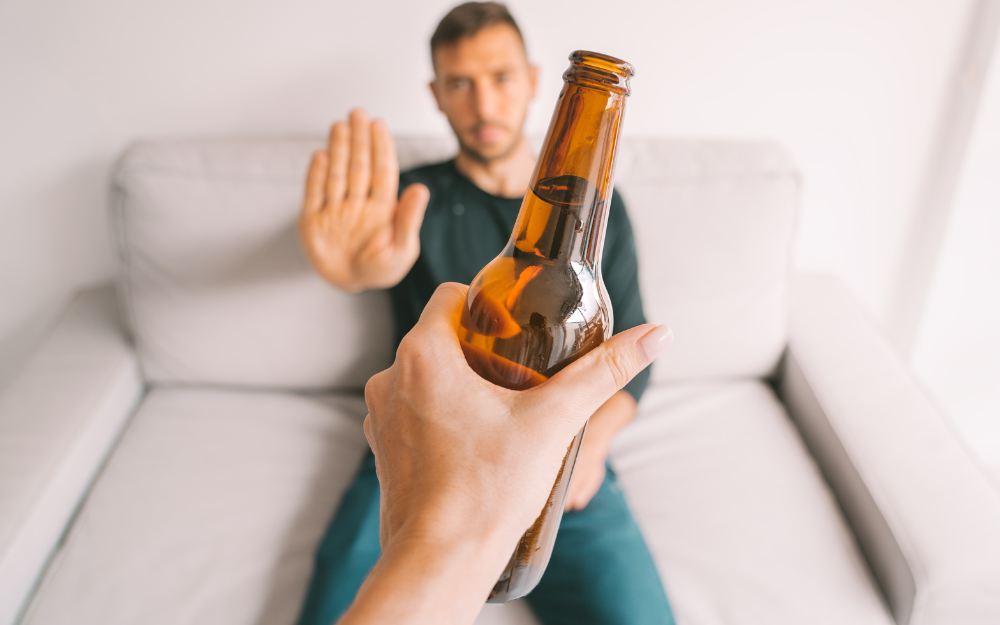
(924, 512)
(59, 418)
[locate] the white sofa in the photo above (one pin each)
(178, 462)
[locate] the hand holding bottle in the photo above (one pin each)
(355, 231)
(458, 492)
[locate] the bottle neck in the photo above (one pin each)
(565, 211)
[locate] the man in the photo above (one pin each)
(450, 517)
(449, 221)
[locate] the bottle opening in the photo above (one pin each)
(594, 69)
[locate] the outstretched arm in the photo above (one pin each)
(355, 231)
(458, 493)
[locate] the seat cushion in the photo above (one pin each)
(217, 289)
(739, 520)
(208, 511)
(211, 507)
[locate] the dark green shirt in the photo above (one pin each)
(465, 228)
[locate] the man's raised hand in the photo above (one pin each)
(355, 232)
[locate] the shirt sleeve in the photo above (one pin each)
(620, 269)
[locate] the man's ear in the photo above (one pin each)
(434, 91)
(533, 79)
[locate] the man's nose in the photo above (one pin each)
(486, 99)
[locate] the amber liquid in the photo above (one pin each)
(533, 310)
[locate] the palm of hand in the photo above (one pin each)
(355, 232)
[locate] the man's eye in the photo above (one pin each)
(503, 77)
(457, 85)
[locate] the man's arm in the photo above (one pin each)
(458, 493)
(356, 233)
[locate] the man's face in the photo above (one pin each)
(483, 85)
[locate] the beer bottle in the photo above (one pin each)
(541, 303)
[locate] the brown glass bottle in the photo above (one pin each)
(541, 303)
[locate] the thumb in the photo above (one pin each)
(582, 387)
(410, 213)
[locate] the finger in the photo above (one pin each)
(586, 490)
(571, 497)
(315, 184)
(574, 501)
(580, 389)
(339, 150)
(410, 214)
(359, 168)
(591, 489)
(443, 309)
(435, 338)
(385, 164)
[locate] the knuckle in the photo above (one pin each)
(450, 289)
(618, 367)
(410, 347)
(373, 390)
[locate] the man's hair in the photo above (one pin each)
(469, 18)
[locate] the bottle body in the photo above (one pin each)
(542, 303)
(561, 311)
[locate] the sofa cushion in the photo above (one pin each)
(217, 290)
(215, 286)
(211, 507)
(736, 513)
(208, 511)
(713, 225)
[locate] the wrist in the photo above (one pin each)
(430, 580)
(459, 533)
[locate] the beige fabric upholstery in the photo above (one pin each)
(713, 226)
(742, 526)
(215, 284)
(209, 511)
(59, 419)
(926, 513)
(218, 291)
(211, 508)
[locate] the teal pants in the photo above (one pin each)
(601, 571)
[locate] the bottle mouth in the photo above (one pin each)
(593, 69)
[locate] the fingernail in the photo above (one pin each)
(656, 342)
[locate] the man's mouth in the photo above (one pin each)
(489, 133)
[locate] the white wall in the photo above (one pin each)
(957, 351)
(851, 87)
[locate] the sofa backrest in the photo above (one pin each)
(216, 288)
